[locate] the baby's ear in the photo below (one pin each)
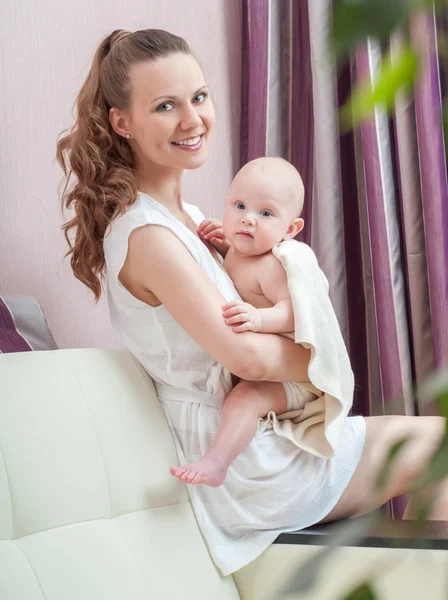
(295, 228)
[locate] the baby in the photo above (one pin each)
(262, 209)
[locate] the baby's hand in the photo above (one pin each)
(244, 313)
(212, 231)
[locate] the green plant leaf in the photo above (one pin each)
(385, 471)
(434, 388)
(442, 402)
(394, 76)
(436, 384)
(438, 467)
(363, 592)
(436, 4)
(422, 510)
(355, 20)
(344, 533)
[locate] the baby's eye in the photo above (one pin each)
(240, 205)
(200, 97)
(266, 213)
(165, 107)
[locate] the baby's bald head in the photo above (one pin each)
(263, 206)
(280, 176)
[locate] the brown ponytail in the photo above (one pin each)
(100, 159)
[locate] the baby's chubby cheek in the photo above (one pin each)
(226, 226)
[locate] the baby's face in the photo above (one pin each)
(258, 213)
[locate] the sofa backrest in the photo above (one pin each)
(88, 509)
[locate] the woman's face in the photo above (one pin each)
(171, 114)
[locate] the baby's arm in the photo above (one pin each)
(274, 285)
(279, 318)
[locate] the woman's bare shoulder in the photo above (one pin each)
(158, 263)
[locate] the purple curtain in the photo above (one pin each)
(376, 197)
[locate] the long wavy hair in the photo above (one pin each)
(101, 161)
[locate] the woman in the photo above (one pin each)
(145, 115)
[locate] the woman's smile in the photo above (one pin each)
(190, 144)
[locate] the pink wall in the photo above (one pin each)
(46, 49)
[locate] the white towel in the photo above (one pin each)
(317, 426)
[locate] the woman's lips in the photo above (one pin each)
(190, 144)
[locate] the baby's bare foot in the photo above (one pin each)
(206, 471)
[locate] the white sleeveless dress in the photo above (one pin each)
(273, 486)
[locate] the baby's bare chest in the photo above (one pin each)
(246, 276)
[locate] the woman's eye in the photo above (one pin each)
(266, 213)
(200, 97)
(165, 107)
(240, 205)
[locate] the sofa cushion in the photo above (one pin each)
(23, 326)
(87, 506)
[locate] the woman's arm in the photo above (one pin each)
(159, 264)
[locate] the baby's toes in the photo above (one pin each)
(191, 476)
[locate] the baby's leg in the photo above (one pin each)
(246, 403)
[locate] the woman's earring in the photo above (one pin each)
(128, 136)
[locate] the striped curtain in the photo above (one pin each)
(376, 205)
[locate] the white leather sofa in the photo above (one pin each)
(88, 510)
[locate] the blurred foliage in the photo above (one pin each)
(363, 592)
(354, 531)
(357, 20)
(385, 472)
(344, 533)
(396, 75)
(354, 21)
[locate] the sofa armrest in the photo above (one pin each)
(388, 533)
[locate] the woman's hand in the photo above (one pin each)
(248, 317)
(211, 230)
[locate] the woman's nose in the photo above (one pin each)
(190, 118)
